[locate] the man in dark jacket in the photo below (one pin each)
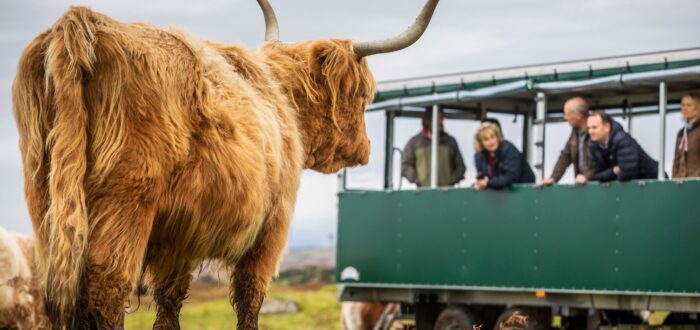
(615, 155)
(575, 151)
(415, 164)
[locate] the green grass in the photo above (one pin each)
(319, 309)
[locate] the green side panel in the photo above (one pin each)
(621, 237)
(563, 76)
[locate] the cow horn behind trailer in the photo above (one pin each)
(401, 41)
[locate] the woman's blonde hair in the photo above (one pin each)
(486, 128)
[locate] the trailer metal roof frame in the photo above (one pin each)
(541, 73)
(621, 80)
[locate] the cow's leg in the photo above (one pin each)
(249, 283)
(121, 220)
(169, 302)
(169, 290)
(254, 271)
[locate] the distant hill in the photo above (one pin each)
(311, 260)
(308, 266)
(304, 257)
(309, 276)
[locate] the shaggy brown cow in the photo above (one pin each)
(150, 150)
(21, 301)
(369, 316)
(15, 277)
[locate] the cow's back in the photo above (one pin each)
(242, 151)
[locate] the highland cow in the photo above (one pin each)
(21, 301)
(369, 316)
(147, 150)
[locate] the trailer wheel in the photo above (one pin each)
(454, 318)
(513, 319)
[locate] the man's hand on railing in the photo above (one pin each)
(481, 184)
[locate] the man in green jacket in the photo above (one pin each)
(415, 165)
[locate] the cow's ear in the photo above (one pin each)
(331, 57)
(319, 54)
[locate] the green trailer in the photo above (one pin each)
(568, 256)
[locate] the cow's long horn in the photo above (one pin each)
(403, 40)
(272, 31)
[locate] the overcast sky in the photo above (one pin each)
(464, 35)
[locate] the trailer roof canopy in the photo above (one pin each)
(604, 81)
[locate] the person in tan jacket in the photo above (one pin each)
(575, 151)
(686, 162)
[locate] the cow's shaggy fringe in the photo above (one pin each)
(149, 150)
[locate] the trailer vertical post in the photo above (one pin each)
(434, 147)
(527, 128)
(629, 119)
(389, 151)
(342, 175)
(538, 136)
(662, 129)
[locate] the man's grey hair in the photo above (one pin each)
(581, 106)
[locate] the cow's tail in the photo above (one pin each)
(70, 58)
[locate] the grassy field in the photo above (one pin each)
(208, 308)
